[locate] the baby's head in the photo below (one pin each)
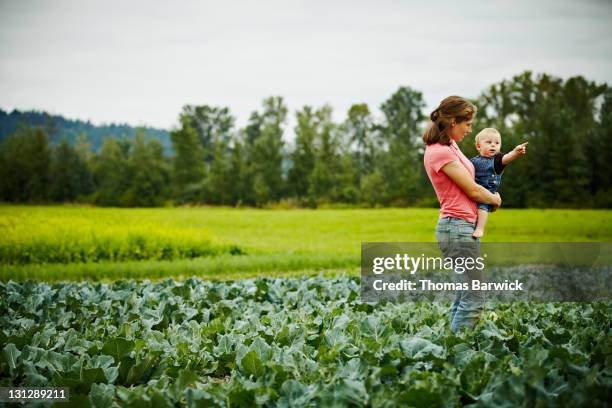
(488, 142)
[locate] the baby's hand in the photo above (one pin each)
(522, 148)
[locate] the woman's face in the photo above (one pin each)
(459, 130)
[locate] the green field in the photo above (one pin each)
(281, 337)
(83, 243)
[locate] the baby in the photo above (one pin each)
(489, 167)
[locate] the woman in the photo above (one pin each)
(452, 176)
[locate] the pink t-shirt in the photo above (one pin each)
(453, 201)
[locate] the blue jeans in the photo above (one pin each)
(455, 239)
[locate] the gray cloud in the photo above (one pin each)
(140, 61)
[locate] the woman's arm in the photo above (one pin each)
(456, 172)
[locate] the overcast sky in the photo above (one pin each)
(139, 62)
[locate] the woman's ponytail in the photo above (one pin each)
(435, 115)
(453, 107)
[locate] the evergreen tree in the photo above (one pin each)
(347, 188)
(25, 159)
(601, 182)
(360, 131)
(238, 171)
(323, 181)
(148, 184)
(69, 174)
(401, 164)
(220, 179)
(303, 156)
(374, 188)
(266, 151)
(249, 136)
(112, 173)
(188, 164)
(211, 124)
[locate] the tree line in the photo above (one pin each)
(58, 127)
(366, 159)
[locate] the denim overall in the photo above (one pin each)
(486, 176)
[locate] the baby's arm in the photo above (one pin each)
(516, 152)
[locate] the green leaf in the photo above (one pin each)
(11, 356)
(345, 393)
(262, 348)
(93, 375)
(296, 394)
(118, 348)
(492, 331)
(185, 379)
(102, 395)
(74, 343)
(49, 360)
(225, 345)
(335, 337)
(462, 354)
(138, 370)
(417, 348)
(33, 377)
(251, 364)
(102, 361)
(241, 397)
(200, 399)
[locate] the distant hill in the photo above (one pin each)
(58, 128)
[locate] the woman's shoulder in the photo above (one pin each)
(437, 146)
(437, 155)
(436, 149)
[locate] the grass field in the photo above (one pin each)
(76, 242)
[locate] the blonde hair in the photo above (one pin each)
(485, 132)
(452, 107)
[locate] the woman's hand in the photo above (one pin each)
(497, 204)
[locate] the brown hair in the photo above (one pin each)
(452, 107)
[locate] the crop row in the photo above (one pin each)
(294, 342)
(82, 239)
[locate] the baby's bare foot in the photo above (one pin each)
(478, 232)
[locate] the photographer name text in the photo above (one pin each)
(428, 285)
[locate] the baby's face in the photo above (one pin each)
(489, 145)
